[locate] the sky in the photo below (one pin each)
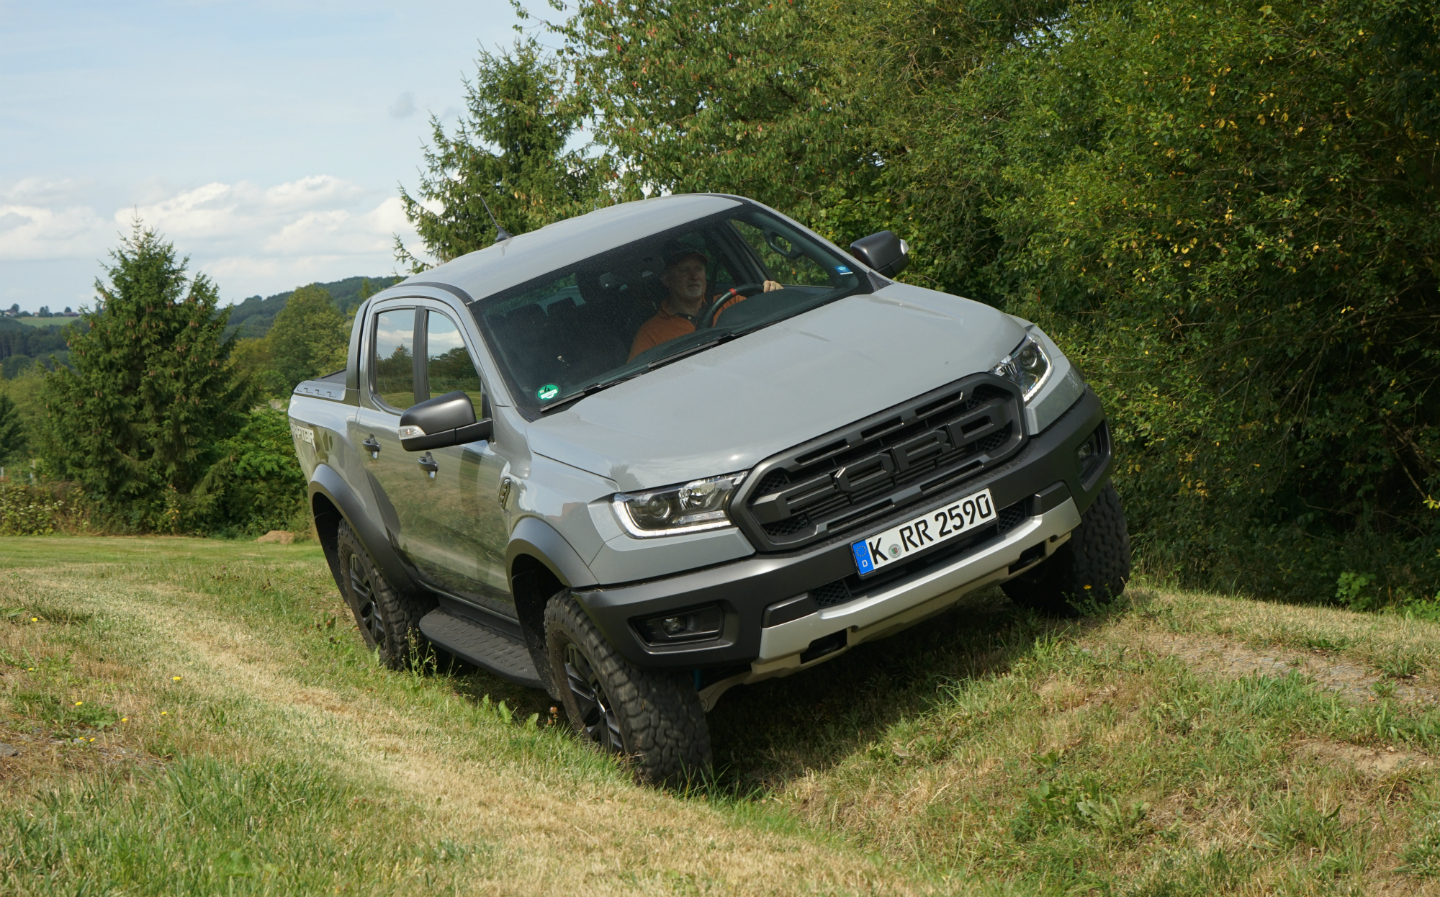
(265, 139)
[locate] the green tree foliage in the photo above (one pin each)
(746, 98)
(1239, 229)
(138, 421)
(25, 392)
(21, 345)
(509, 151)
(252, 360)
(262, 486)
(308, 339)
(12, 432)
(252, 318)
(1226, 212)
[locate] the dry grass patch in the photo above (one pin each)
(319, 770)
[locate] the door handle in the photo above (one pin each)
(372, 446)
(429, 465)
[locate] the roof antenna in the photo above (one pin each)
(500, 232)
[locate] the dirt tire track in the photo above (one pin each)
(603, 830)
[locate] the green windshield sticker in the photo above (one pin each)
(548, 392)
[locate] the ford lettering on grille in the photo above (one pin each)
(861, 473)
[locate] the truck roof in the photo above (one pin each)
(530, 255)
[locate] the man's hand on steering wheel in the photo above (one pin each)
(738, 291)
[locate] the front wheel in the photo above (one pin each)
(653, 718)
(1092, 567)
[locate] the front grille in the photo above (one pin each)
(853, 586)
(866, 471)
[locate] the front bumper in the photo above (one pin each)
(1043, 480)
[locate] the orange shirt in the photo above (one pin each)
(664, 327)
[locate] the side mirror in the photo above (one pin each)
(442, 421)
(884, 252)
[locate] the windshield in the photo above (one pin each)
(630, 310)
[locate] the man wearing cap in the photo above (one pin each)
(684, 281)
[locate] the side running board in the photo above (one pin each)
(484, 646)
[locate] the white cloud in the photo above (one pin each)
(35, 232)
(249, 238)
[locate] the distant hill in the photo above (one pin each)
(36, 321)
(24, 340)
(253, 317)
(21, 342)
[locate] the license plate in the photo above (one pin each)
(940, 525)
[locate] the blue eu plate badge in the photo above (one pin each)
(863, 563)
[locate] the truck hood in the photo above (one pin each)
(727, 408)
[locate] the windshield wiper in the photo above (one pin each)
(693, 350)
(587, 391)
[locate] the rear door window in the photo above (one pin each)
(393, 357)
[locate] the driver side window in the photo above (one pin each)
(448, 366)
(786, 262)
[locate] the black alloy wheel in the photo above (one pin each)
(389, 619)
(650, 719)
(597, 714)
(367, 614)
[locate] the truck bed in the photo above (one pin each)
(330, 386)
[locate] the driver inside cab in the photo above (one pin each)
(685, 299)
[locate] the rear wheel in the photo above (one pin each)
(388, 619)
(652, 718)
(1092, 567)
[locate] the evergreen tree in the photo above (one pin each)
(139, 420)
(12, 432)
(517, 107)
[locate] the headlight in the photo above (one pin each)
(1027, 365)
(689, 508)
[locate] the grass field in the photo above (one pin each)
(199, 717)
(33, 321)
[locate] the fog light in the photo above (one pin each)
(692, 625)
(1091, 454)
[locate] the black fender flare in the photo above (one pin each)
(533, 536)
(327, 481)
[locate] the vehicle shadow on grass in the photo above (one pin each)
(767, 734)
(476, 684)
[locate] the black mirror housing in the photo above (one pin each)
(442, 421)
(886, 253)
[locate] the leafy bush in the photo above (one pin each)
(258, 483)
(40, 509)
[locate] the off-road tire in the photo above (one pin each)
(652, 718)
(1090, 569)
(388, 619)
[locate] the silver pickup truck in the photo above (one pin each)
(642, 456)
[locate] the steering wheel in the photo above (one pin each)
(743, 289)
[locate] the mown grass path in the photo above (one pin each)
(262, 751)
(192, 716)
